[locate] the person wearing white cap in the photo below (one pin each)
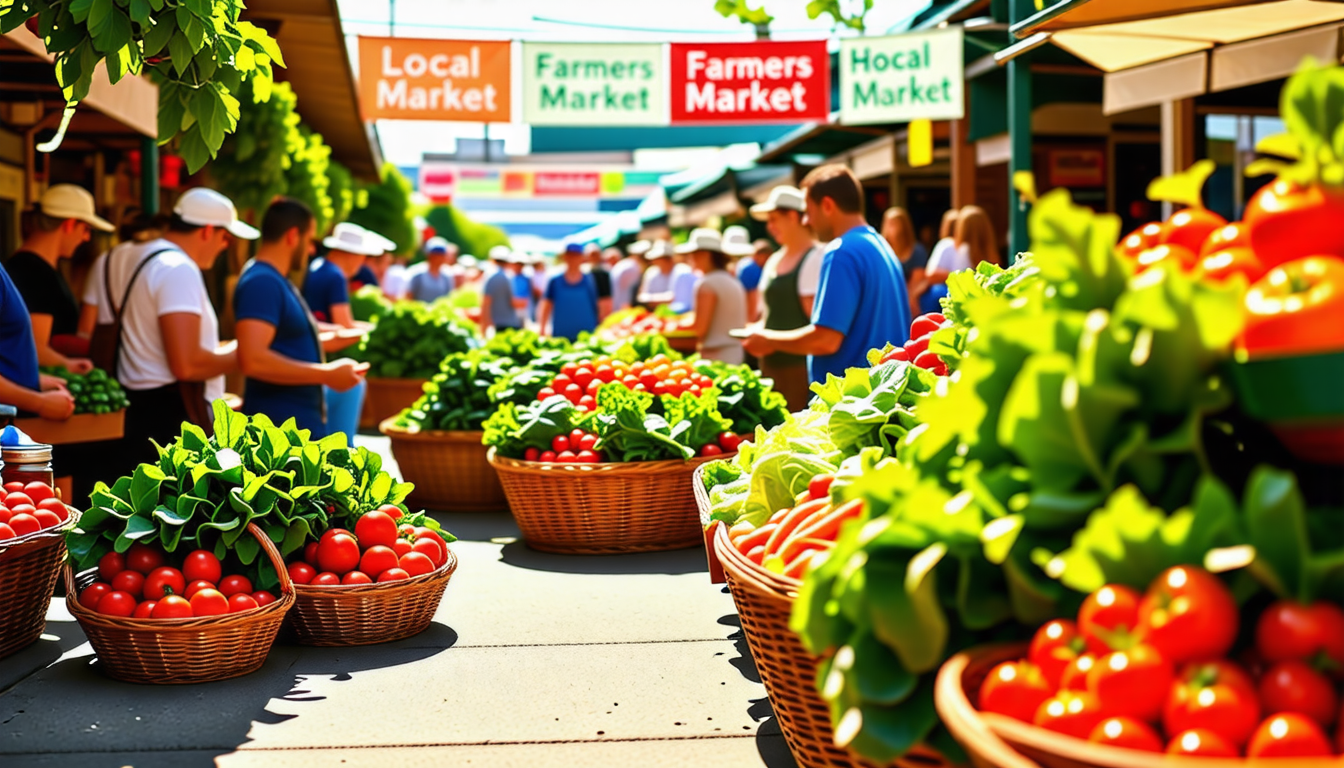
(280, 346)
(625, 275)
(374, 266)
(497, 307)
(437, 276)
(326, 287)
(720, 303)
(170, 361)
(656, 286)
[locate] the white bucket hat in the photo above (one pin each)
(783, 198)
(638, 247)
(737, 241)
(502, 253)
(660, 249)
(352, 238)
(207, 208)
(67, 201)
(706, 239)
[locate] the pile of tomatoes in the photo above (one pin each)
(1152, 672)
(644, 323)
(141, 585)
(378, 551)
(576, 447)
(579, 382)
(792, 539)
(29, 508)
(916, 349)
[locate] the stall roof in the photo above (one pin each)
(823, 139)
(727, 180)
(313, 42)
(1114, 35)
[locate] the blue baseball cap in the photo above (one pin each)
(574, 248)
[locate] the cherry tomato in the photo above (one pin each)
(1014, 688)
(1288, 735)
(729, 442)
(172, 607)
(326, 579)
(587, 442)
(922, 325)
(1132, 683)
(38, 491)
(55, 505)
(19, 499)
(1053, 647)
(819, 487)
(1126, 732)
(201, 565)
(897, 354)
(1200, 743)
(402, 546)
(545, 393)
(916, 346)
(13, 486)
(416, 563)
(110, 565)
(547, 457)
(1074, 677)
(375, 528)
(588, 457)
(531, 454)
(377, 559)
(1290, 630)
(235, 584)
(1178, 256)
(209, 602)
(162, 581)
(1222, 265)
(1108, 617)
(240, 603)
(338, 554)
(1075, 713)
(6, 532)
(355, 577)
(1286, 221)
(301, 573)
(433, 548)
(392, 511)
(24, 524)
(131, 582)
(143, 558)
(1231, 235)
(1293, 686)
(393, 574)
(116, 603)
(310, 553)
(1190, 227)
(263, 598)
(710, 449)
(560, 443)
(144, 610)
(1214, 696)
(1141, 239)
(1188, 614)
(46, 519)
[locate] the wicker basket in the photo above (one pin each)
(995, 741)
(449, 469)
(764, 601)
(29, 566)
(195, 650)
(716, 575)
(364, 614)
(386, 397)
(602, 509)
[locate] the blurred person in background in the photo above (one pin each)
(946, 242)
(497, 305)
(626, 274)
(136, 227)
(749, 273)
(570, 302)
(437, 275)
(973, 241)
(523, 302)
(327, 289)
(720, 301)
(592, 254)
(655, 288)
(899, 232)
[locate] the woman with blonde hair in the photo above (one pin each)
(899, 232)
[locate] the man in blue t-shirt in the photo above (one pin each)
(20, 384)
(570, 302)
(279, 346)
(861, 303)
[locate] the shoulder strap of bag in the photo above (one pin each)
(125, 297)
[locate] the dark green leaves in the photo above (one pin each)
(411, 341)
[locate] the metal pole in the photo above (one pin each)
(1019, 134)
(149, 175)
(391, 18)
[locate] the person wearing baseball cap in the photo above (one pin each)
(570, 301)
(720, 303)
(437, 275)
(497, 305)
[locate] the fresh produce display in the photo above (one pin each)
(368, 303)
(638, 321)
(410, 340)
(1160, 672)
(793, 537)
(94, 392)
(916, 349)
(579, 382)
(379, 550)
(141, 584)
(29, 508)
(205, 489)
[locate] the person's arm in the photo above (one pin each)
(50, 357)
(603, 307)
(808, 340)
(342, 316)
(88, 320)
(706, 301)
(260, 362)
(753, 305)
(543, 314)
(187, 360)
(54, 404)
(487, 320)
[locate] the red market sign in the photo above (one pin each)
(577, 184)
(762, 82)
(438, 182)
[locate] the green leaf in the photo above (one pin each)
(1276, 525)
(137, 528)
(179, 48)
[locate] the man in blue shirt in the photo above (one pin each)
(570, 302)
(861, 303)
(279, 346)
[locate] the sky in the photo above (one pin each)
(404, 141)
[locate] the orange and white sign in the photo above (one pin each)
(407, 79)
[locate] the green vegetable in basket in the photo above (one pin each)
(744, 397)
(411, 340)
(95, 392)
(369, 303)
(457, 398)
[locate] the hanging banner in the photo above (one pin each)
(406, 79)
(761, 82)
(902, 78)
(587, 84)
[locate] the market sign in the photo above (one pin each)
(761, 82)
(407, 79)
(438, 182)
(585, 84)
(897, 79)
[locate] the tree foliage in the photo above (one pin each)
(386, 209)
(838, 10)
(471, 236)
(252, 163)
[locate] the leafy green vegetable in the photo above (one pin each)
(94, 392)
(411, 340)
(770, 471)
(874, 406)
(457, 398)
(513, 429)
(368, 303)
(745, 398)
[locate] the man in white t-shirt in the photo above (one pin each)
(171, 362)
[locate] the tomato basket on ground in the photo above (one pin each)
(364, 614)
(29, 565)
(602, 508)
(187, 650)
(449, 468)
(764, 601)
(385, 398)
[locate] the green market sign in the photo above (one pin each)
(582, 84)
(902, 78)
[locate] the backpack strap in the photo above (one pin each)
(126, 297)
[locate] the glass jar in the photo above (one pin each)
(27, 463)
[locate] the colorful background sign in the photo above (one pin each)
(585, 84)
(762, 82)
(902, 78)
(407, 79)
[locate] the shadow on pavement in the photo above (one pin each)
(770, 743)
(57, 638)
(675, 563)
(477, 526)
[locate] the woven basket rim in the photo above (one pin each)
(747, 571)
(390, 428)
(376, 589)
(195, 623)
(54, 532)
(606, 467)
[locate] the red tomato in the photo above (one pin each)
(338, 554)
(1108, 616)
(1014, 688)
(406, 530)
(23, 509)
(55, 505)
(209, 602)
(235, 584)
(393, 574)
(356, 577)
(587, 442)
(1180, 257)
(162, 581)
(588, 457)
(545, 393)
(402, 546)
(172, 607)
(144, 610)
(916, 346)
(46, 518)
(1132, 683)
(1288, 735)
(1290, 630)
(729, 442)
(1190, 227)
(1214, 696)
(1188, 614)
(310, 553)
(201, 566)
(110, 565)
(922, 325)
(1074, 677)
(710, 449)
(1285, 222)
(547, 457)
(38, 491)
(568, 370)
(24, 524)
(560, 443)
(374, 528)
(377, 559)
(240, 603)
(13, 486)
(531, 454)
(1227, 236)
(573, 392)
(1075, 713)
(131, 582)
(819, 487)
(431, 547)
(1293, 686)
(1222, 265)
(930, 361)
(116, 603)
(1128, 733)
(1053, 647)
(1141, 239)
(392, 511)
(326, 579)
(416, 563)
(301, 573)
(143, 558)
(6, 532)
(1200, 743)
(567, 457)
(263, 598)
(197, 586)
(19, 499)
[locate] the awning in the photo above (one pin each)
(318, 69)
(819, 140)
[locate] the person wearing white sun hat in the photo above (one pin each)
(720, 302)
